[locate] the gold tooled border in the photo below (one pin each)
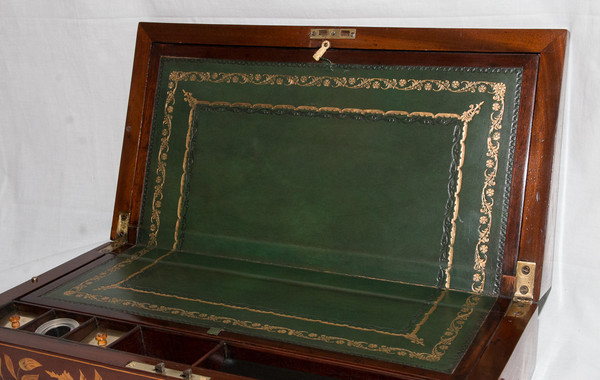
(496, 89)
(438, 350)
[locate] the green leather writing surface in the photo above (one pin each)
(354, 208)
(408, 324)
(323, 195)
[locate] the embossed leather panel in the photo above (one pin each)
(386, 172)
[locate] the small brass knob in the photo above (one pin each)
(101, 339)
(15, 321)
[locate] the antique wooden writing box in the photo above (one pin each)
(382, 209)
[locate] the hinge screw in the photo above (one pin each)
(524, 289)
(525, 270)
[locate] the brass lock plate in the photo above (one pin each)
(333, 34)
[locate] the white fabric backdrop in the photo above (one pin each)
(65, 68)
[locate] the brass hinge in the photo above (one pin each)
(333, 34)
(518, 308)
(525, 281)
(121, 233)
(122, 227)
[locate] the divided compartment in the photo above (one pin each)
(88, 332)
(26, 314)
(56, 323)
(165, 345)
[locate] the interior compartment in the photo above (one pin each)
(165, 345)
(88, 333)
(262, 365)
(26, 314)
(56, 323)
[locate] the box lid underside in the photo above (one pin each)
(386, 172)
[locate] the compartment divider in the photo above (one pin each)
(37, 322)
(120, 343)
(222, 346)
(81, 331)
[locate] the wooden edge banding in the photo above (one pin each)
(479, 343)
(417, 39)
(502, 345)
(132, 135)
(519, 170)
(507, 286)
(541, 157)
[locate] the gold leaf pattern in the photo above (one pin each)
(496, 89)
(64, 376)
(30, 377)
(97, 375)
(438, 351)
(335, 110)
(487, 200)
(10, 366)
(27, 364)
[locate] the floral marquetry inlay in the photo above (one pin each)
(31, 369)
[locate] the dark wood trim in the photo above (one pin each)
(473, 355)
(147, 109)
(409, 39)
(132, 136)
(517, 192)
(536, 224)
(521, 364)
(502, 345)
(507, 286)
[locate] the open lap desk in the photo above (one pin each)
(370, 215)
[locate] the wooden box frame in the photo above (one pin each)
(504, 347)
